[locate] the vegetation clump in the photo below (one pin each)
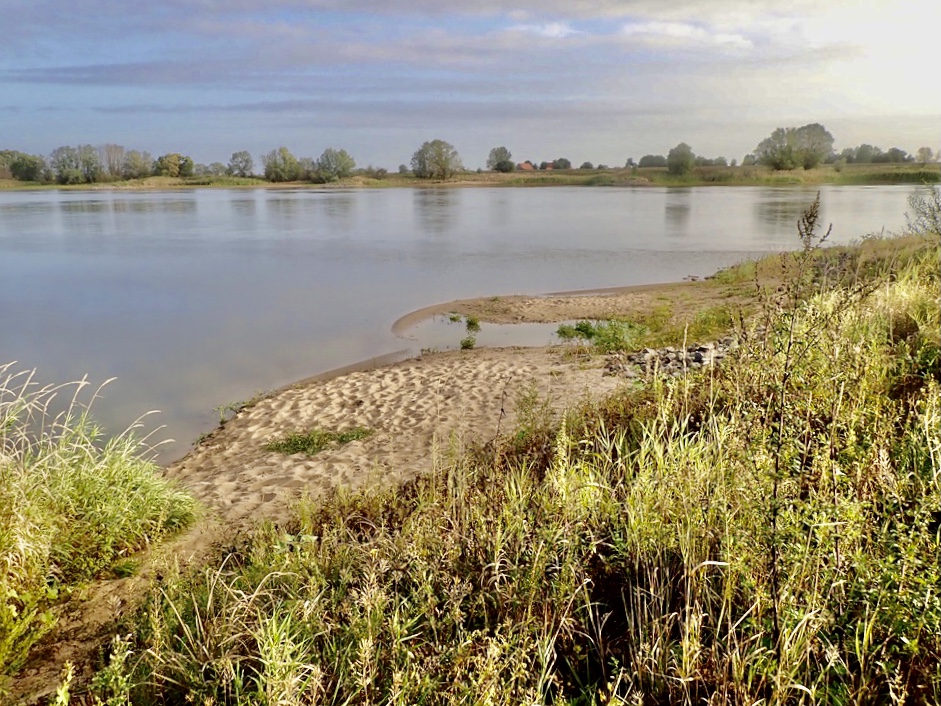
(73, 506)
(605, 336)
(316, 440)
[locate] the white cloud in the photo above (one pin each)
(686, 32)
(551, 30)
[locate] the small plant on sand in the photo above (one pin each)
(316, 440)
(472, 323)
(468, 342)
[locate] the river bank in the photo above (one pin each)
(852, 174)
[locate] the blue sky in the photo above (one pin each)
(596, 80)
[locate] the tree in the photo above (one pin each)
(749, 160)
(680, 159)
(562, 163)
(137, 165)
(789, 148)
(217, 169)
(734, 162)
(403, 169)
(499, 159)
(63, 160)
(89, 163)
(241, 164)
(893, 155)
(630, 163)
(587, 165)
(335, 164)
(866, 154)
(925, 155)
(653, 160)
(27, 167)
(187, 166)
(168, 165)
(112, 159)
(280, 165)
(436, 160)
(814, 144)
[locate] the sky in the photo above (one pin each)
(589, 80)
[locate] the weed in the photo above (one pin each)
(468, 342)
(454, 318)
(472, 323)
(605, 336)
(316, 440)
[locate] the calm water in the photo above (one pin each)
(197, 298)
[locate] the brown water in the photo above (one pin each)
(198, 298)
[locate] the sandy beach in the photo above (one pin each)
(417, 411)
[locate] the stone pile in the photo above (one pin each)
(668, 361)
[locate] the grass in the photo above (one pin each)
(468, 342)
(765, 532)
(73, 506)
(316, 440)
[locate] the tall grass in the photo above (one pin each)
(765, 532)
(72, 504)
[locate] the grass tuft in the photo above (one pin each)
(316, 440)
(74, 505)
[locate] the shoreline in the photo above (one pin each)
(418, 409)
(494, 315)
(860, 175)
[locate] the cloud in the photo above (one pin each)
(686, 33)
(550, 30)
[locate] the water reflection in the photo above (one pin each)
(284, 210)
(436, 209)
(677, 211)
(339, 208)
(135, 206)
(85, 207)
(781, 212)
(244, 208)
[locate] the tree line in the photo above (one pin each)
(786, 148)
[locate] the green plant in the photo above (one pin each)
(73, 504)
(316, 440)
(605, 336)
(468, 342)
(472, 323)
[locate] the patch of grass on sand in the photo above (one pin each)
(316, 440)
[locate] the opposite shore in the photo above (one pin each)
(862, 174)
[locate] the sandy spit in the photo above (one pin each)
(418, 410)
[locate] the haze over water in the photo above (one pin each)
(197, 298)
